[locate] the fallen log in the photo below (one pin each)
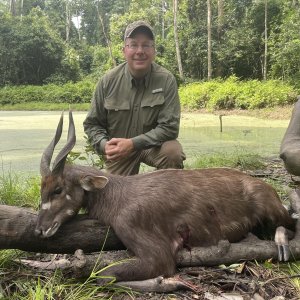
(81, 265)
(17, 232)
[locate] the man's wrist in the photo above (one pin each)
(100, 146)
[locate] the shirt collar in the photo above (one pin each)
(131, 80)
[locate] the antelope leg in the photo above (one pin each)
(282, 242)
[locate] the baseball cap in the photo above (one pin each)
(138, 24)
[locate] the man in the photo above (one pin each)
(135, 111)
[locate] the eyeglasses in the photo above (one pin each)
(135, 47)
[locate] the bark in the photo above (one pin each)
(266, 41)
(12, 7)
(108, 41)
(68, 21)
(178, 55)
(81, 265)
(17, 232)
(220, 34)
(209, 41)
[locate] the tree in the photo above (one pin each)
(266, 41)
(209, 42)
(220, 34)
(12, 7)
(107, 39)
(31, 51)
(175, 9)
(284, 45)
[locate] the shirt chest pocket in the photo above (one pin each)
(113, 104)
(118, 114)
(150, 107)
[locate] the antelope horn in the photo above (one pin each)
(59, 163)
(48, 152)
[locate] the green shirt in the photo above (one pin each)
(148, 112)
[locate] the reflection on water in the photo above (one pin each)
(24, 135)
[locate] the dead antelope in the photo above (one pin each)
(155, 214)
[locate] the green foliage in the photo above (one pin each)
(89, 156)
(236, 94)
(15, 190)
(30, 49)
(36, 49)
(32, 52)
(239, 159)
(284, 46)
(214, 94)
(80, 92)
(196, 95)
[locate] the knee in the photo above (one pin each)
(172, 155)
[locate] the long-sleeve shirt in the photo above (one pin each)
(148, 112)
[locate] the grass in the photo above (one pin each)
(241, 160)
(21, 283)
(19, 191)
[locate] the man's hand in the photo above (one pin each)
(118, 148)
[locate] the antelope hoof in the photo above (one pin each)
(283, 252)
(282, 242)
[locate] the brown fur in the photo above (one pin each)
(155, 214)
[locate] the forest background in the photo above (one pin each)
(224, 53)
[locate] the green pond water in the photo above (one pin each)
(24, 135)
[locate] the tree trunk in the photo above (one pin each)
(68, 20)
(22, 8)
(209, 63)
(12, 7)
(81, 265)
(17, 232)
(220, 33)
(266, 41)
(163, 19)
(78, 27)
(175, 10)
(108, 42)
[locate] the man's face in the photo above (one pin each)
(139, 52)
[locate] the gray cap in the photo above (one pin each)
(138, 24)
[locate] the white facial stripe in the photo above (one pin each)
(46, 206)
(70, 212)
(68, 197)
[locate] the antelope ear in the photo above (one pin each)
(90, 182)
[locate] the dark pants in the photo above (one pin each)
(169, 155)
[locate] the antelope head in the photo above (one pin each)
(62, 190)
(58, 201)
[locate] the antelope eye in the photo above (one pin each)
(58, 190)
